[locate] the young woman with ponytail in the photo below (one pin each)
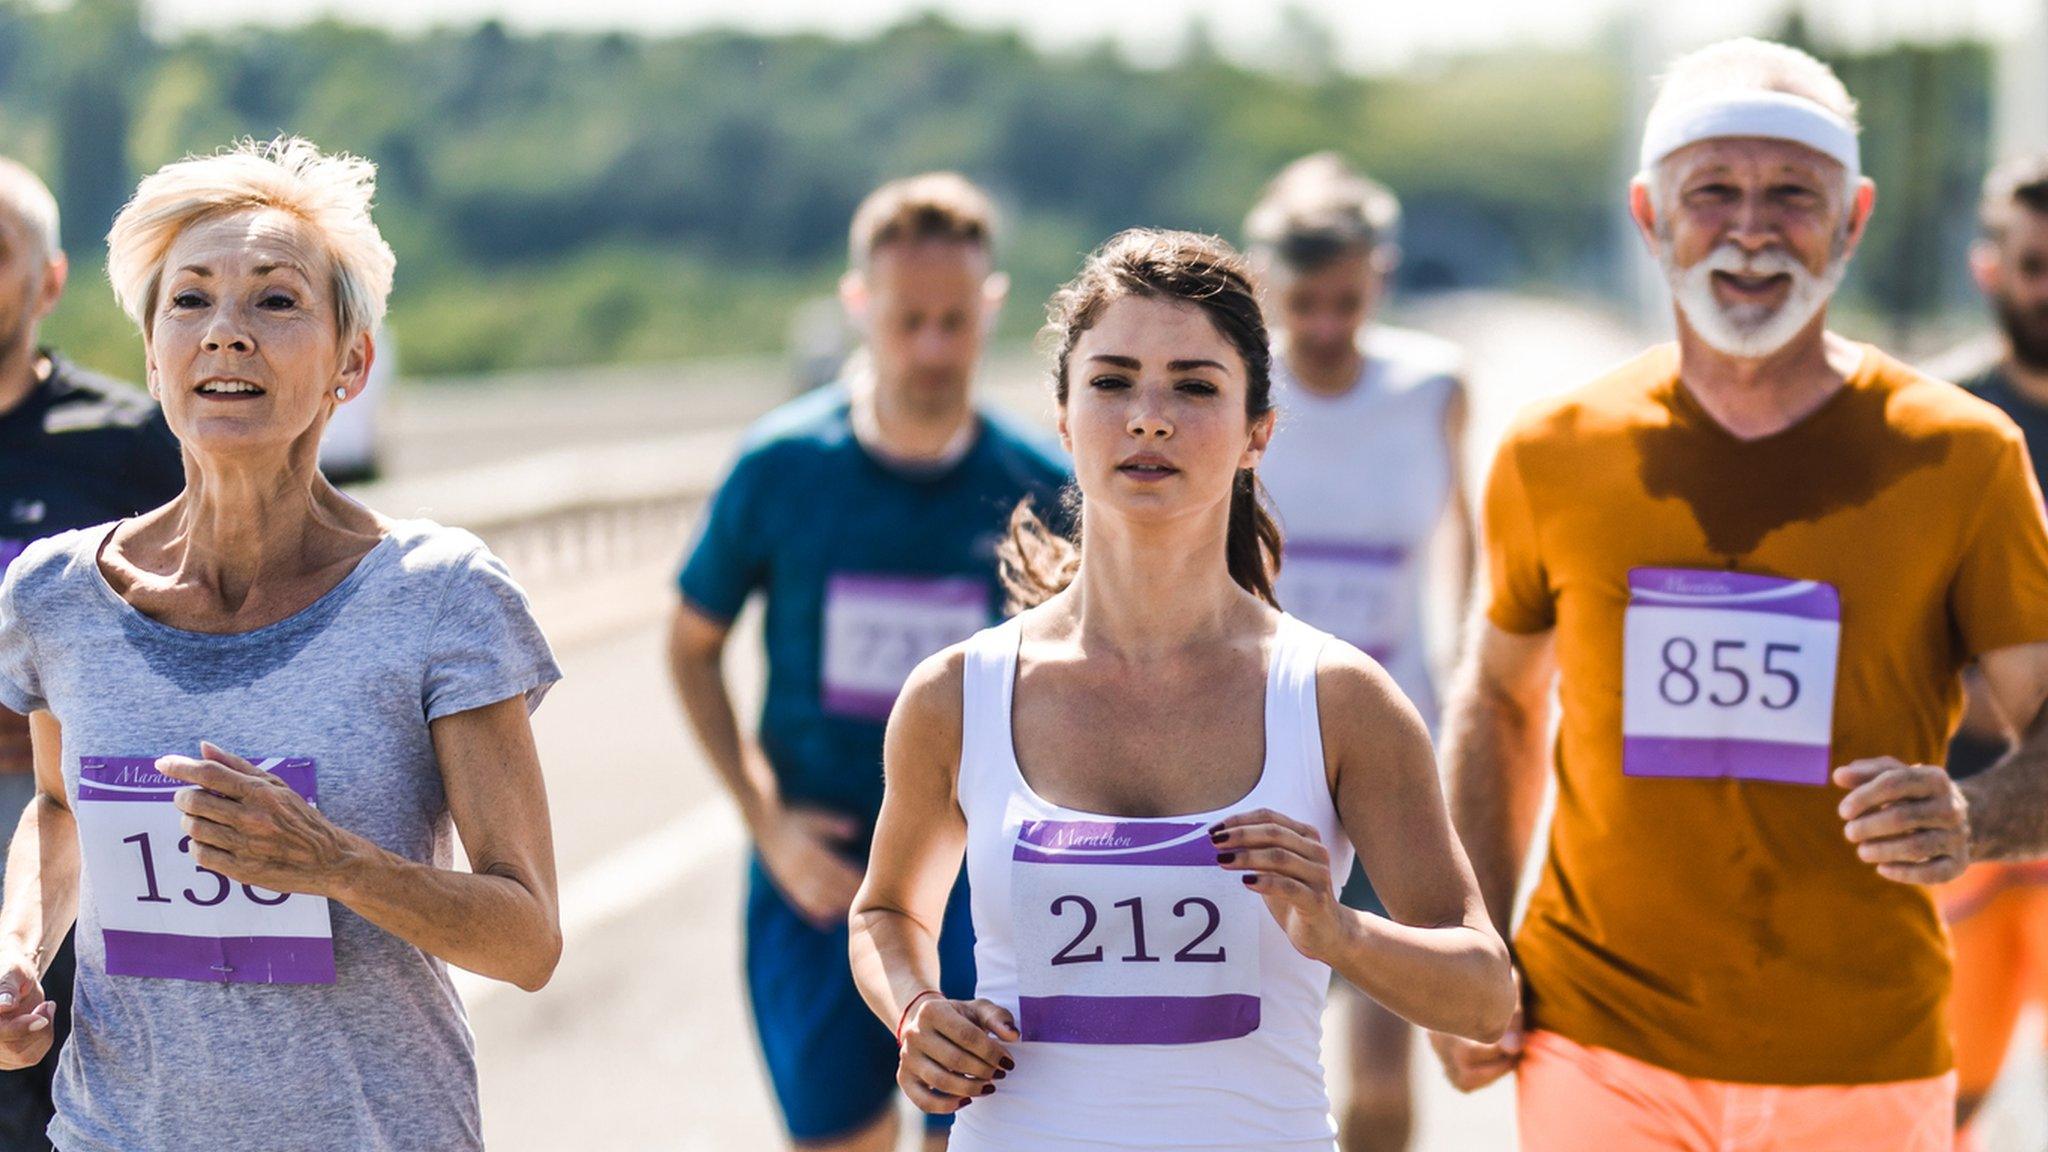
(1156, 777)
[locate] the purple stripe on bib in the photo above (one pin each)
(1137, 1019)
(135, 778)
(1383, 555)
(1733, 592)
(951, 591)
(874, 706)
(1115, 842)
(10, 550)
(1655, 756)
(221, 960)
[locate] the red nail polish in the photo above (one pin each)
(987, 1088)
(1225, 857)
(1250, 880)
(1009, 1065)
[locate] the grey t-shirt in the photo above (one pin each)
(429, 624)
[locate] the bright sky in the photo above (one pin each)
(1372, 33)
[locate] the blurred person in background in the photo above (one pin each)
(867, 515)
(1753, 564)
(1998, 912)
(262, 714)
(1365, 471)
(76, 449)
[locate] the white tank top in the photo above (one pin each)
(1360, 482)
(1161, 1005)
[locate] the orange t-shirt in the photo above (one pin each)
(1718, 926)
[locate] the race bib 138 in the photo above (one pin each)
(161, 914)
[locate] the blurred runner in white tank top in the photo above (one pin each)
(1365, 471)
(1156, 779)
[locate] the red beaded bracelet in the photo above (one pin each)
(908, 1008)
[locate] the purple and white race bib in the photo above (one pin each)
(878, 628)
(1129, 932)
(1728, 674)
(1352, 591)
(164, 916)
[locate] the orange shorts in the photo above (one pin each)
(1998, 919)
(1571, 1098)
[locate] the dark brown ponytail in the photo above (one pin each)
(1038, 563)
(1253, 546)
(1035, 562)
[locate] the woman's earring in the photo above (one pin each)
(341, 393)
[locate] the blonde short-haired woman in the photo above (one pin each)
(260, 713)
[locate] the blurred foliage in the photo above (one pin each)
(1927, 142)
(561, 199)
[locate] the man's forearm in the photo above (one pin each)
(1981, 719)
(1464, 570)
(2008, 803)
(700, 683)
(1494, 747)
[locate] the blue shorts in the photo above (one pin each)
(833, 1065)
(1358, 892)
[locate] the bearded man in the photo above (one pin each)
(1753, 564)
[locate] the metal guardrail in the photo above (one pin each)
(596, 506)
(565, 545)
(561, 514)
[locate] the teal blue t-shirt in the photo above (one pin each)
(1969, 755)
(866, 569)
(1992, 384)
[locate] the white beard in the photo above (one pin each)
(1749, 331)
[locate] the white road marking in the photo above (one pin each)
(629, 878)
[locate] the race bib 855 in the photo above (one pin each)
(1728, 674)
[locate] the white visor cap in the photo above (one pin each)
(1754, 114)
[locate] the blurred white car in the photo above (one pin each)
(819, 342)
(349, 452)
